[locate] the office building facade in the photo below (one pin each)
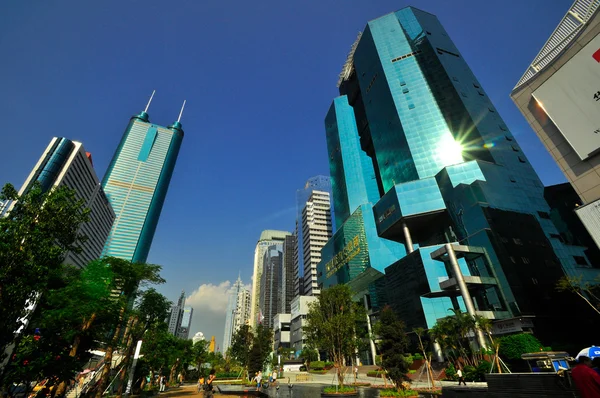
(316, 231)
(299, 311)
(66, 163)
(316, 183)
(451, 180)
(136, 182)
(179, 320)
(559, 95)
(290, 255)
(270, 302)
(281, 331)
(267, 238)
(238, 312)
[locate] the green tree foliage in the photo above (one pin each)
(335, 324)
(128, 278)
(309, 355)
(452, 333)
(393, 345)
(513, 346)
(200, 354)
(34, 240)
(62, 318)
(262, 345)
(241, 342)
(151, 311)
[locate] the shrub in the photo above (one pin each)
(417, 357)
(477, 373)
(333, 389)
(227, 375)
(412, 372)
(303, 368)
(451, 373)
(513, 346)
(317, 365)
(395, 393)
(328, 365)
(374, 373)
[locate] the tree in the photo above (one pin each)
(453, 333)
(56, 343)
(586, 291)
(241, 342)
(129, 277)
(200, 354)
(420, 332)
(152, 309)
(262, 344)
(393, 344)
(309, 354)
(332, 324)
(513, 346)
(35, 237)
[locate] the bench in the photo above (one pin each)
(303, 377)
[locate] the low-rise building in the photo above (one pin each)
(300, 306)
(281, 331)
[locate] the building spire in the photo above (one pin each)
(181, 112)
(149, 101)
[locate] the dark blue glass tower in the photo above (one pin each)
(454, 187)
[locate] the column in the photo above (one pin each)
(371, 342)
(407, 239)
(464, 292)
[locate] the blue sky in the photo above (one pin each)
(258, 78)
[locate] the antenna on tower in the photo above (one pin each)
(181, 111)
(149, 101)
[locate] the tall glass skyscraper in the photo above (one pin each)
(453, 188)
(136, 184)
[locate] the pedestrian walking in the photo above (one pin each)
(461, 378)
(208, 384)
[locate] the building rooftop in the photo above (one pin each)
(271, 234)
(580, 12)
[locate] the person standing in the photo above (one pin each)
(258, 379)
(208, 384)
(162, 383)
(461, 378)
(586, 379)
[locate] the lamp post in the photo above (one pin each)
(138, 348)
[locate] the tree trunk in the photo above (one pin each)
(172, 374)
(105, 376)
(62, 387)
(131, 324)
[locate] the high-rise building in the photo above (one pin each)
(66, 163)
(199, 336)
(267, 238)
(186, 322)
(238, 312)
(179, 320)
(559, 95)
(290, 247)
(270, 285)
(316, 231)
(136, 182)
(461, 221)
(317, 183)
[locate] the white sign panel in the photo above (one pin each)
(571, 98)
